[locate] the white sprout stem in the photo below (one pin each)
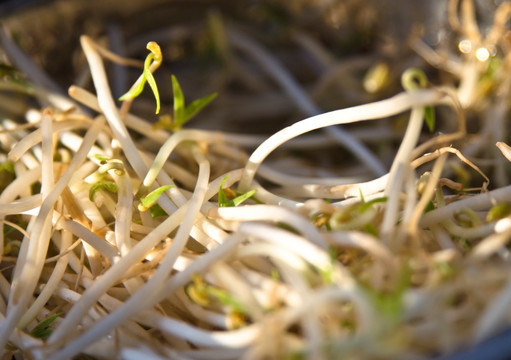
(392, 205)
(302, 100)
(115, 273)
(52, 283)
(410, 186)
(477, 202)
(427, 194)
(35, 137)
(468, 83)
(123, 219)
(47, 158)
(492, 243)
(21, 206)
(231, 339)
(123, 211)
(102, 246)
(291, 243)
(15, 188)
(33, 251)
(339, 191)
(166, 150)
(144, 297)
(118, 270)
(204, 232)
(270, 213)
(379, 109)
(108, 107)
(278, 255)
(281, 178)
(409, 142)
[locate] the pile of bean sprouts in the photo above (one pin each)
(395, 262)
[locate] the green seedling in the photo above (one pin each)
(183, 113)
(151, 63)
(429, 117)
(356, 216)
(157, 211)
(412, 80)
(42, 330)
(222, 198)
(499, 211)
(207, 295)
(101, 158)
(102, 185)
(149, 200)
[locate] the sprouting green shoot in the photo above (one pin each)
(157, 211)
(205, 294)
(226, 299)
(42, 330)
(183, 113)
(102, 185)
(101, 158)
(222, 198)
(414, 79)
(498, 211)
(154, 59)
(149, 200)
(366, 205)
(429, 117)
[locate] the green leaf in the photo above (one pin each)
(430, 206)
(499, 211)
(7, 166)
(152, 197)
(101, 158)
(152, 83)
(42, 331)
(135, 90)
(147, 76)
(104, 185)
(179, 103)
(222, 199)
(239, 199)
(157, 211)
(196, 106)
(226, 299)
(7, 174)
(367, 205)
(429, 117)
(184, 113)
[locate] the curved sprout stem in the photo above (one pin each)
(383, 108)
